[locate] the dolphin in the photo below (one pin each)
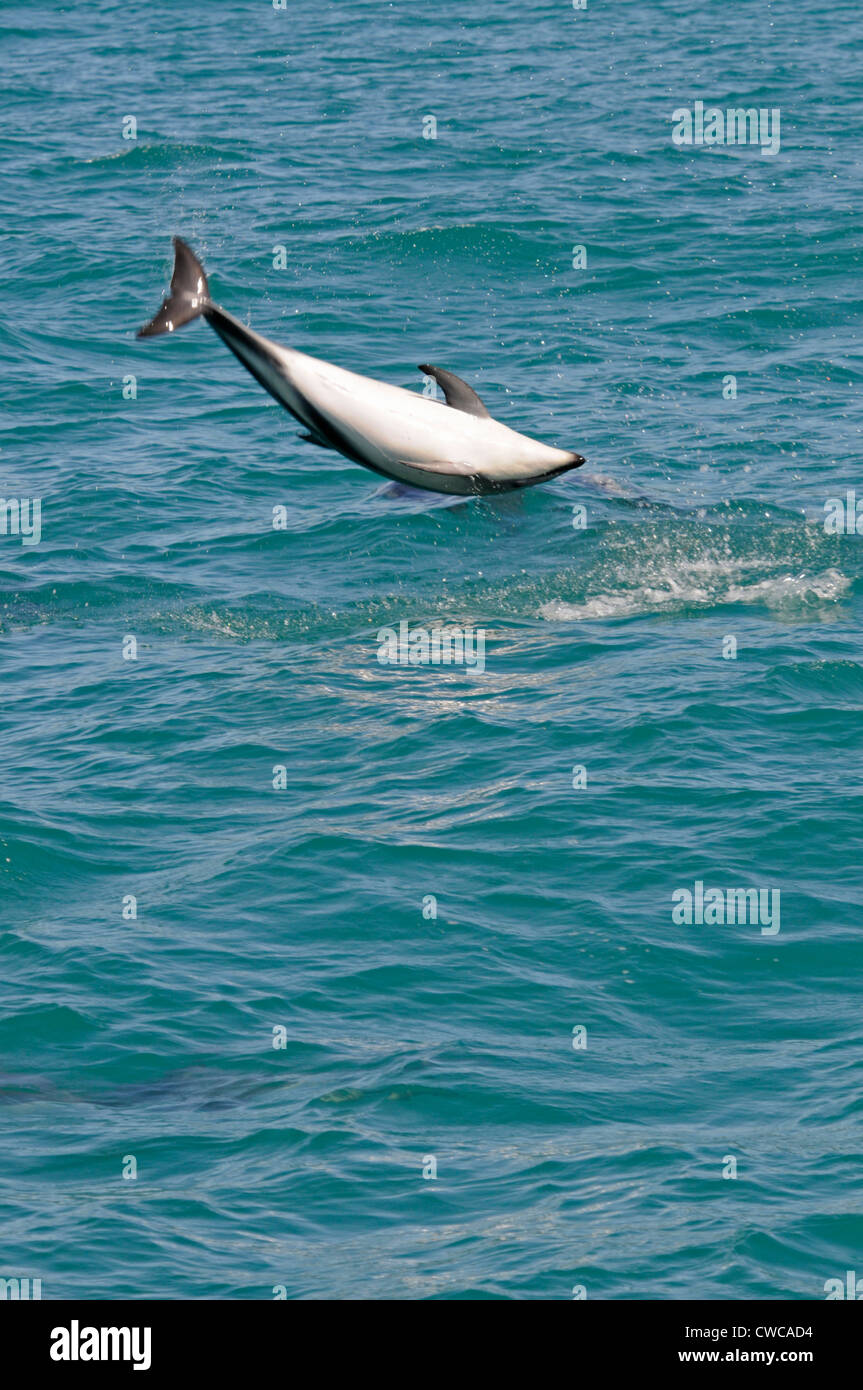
(455, 447)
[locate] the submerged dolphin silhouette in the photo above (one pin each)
(456, 448)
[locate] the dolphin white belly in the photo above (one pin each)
(455, 447)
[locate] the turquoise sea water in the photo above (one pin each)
(410, 1037)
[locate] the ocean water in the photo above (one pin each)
(429, 907)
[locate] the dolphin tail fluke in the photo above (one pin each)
(188, 296)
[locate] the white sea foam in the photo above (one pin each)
(701, 584)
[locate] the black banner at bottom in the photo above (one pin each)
(229, 1338)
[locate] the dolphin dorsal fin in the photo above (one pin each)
(457, 392)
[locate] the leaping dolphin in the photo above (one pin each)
(456, 447)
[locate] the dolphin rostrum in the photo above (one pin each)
(456, 447)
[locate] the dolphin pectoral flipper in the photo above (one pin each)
(457, 393)
(314, 439)
(188, 296)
